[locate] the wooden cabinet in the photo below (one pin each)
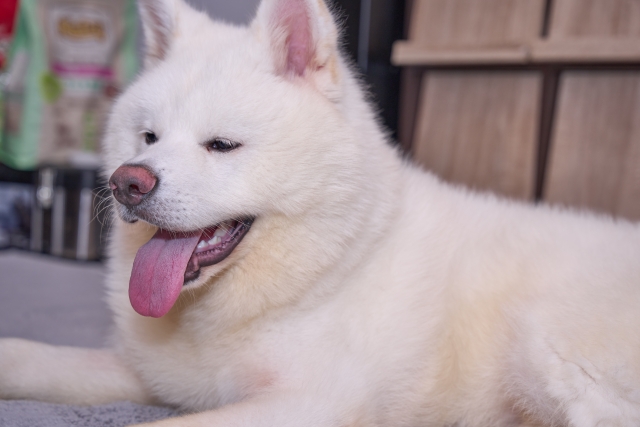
(533, 99)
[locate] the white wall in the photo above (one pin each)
(236, 11)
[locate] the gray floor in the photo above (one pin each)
(52, 300)
(59, 302)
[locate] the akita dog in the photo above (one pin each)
(275, 262)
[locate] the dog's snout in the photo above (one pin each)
(131, 184)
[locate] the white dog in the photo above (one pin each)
(275, 262)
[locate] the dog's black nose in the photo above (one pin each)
(131, 184)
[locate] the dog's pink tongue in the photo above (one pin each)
(158, 272)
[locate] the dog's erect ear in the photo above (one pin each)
(158, 23)
(160, 19)
(303, 38)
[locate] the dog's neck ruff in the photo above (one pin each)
(170, 259)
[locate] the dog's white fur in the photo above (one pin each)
(367, 291)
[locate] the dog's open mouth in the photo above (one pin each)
(171, 259)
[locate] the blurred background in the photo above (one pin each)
(536, 100)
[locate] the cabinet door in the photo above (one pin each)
(481, 129)
(601, 19)
(487, 23)
(595, 151)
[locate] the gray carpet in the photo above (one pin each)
(36, 414)
(59, 302)
(52, 300)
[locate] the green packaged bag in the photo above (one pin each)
(67, 62)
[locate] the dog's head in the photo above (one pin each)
(228, 125)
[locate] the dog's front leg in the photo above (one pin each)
(273, 410)
(36, 371)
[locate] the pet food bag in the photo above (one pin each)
(7, 18)
(67, 62)
(7, 23)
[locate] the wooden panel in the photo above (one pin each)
(595, 18)
(481, 129)
(588, 50)
(408, 53)
(595, 152)
(446, 23)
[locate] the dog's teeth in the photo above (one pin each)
(215, 240)
(202, 244)
(221, 231)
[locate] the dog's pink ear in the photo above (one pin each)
(303, 38)
(294, 32)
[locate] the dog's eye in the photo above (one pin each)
(221, 145)
(150, 138)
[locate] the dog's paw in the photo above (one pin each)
(13, 356)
